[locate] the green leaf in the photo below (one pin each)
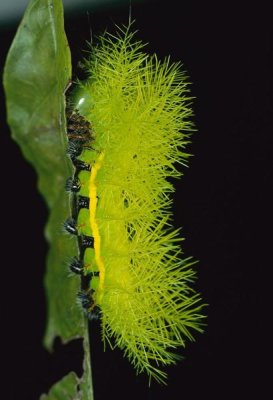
(37, 72)
(66, 388)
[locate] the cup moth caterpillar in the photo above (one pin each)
(127, 133)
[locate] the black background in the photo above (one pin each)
(221, 202)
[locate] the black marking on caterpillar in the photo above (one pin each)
(86, 299)
(94, 273)
(71, 226)
(76, 266)
(95, 314)
(73, 184)
(79, 134)
(85, 242)
(81, 165)
(83, 202)
(75, 148)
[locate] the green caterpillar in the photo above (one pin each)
(127, 133)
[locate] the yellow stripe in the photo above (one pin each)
(93, 222)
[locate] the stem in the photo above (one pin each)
(87, 381)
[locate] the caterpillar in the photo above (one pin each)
(127, 132)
